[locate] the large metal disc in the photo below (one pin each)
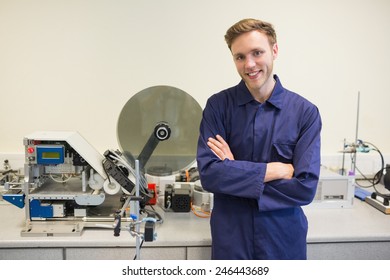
(144, 111)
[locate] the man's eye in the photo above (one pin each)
(239, 57)
(257, 53)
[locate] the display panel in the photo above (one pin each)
(50, 154)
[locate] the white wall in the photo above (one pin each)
(73, 64)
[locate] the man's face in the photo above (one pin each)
(254, 58)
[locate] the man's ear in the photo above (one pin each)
(275, 50)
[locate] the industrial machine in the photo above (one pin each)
(69, 186)
(178, 197)
(333, 190)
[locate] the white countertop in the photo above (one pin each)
(361, 223)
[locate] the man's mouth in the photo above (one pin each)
(253, 75)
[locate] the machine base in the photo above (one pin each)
(378, 205)
(43, 228)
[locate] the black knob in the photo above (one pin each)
(162, 131)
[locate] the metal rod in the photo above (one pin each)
(86, 219)
(343, 165)
(27, 171)
(357, 118)
(356, 134)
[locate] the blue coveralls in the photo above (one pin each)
(252, 219)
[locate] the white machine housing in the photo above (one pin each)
(75, 140)
(64, 182)
(333, 190)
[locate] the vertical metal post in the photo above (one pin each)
(342, 171)
(137, 227)
(27, 171)
(356, 135)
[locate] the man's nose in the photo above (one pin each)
(250, 63)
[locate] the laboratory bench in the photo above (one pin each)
(359, 232)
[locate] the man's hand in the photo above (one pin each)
(220, 148)
(275, 170)
(278, 170)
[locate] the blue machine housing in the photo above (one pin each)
(15, 199)
(50, 154)
(39, 211)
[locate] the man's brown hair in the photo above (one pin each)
(247, 25)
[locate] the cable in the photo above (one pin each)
(196, 212)
(159, 217)
(380, 172)
(62, 177)
(378, 176)
(140, 246)
(105, 171)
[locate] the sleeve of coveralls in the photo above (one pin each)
(301, 189)
(231, 177)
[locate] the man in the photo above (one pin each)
(259, 153)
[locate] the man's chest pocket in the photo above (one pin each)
(282, 152)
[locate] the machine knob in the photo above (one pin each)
(162, 131)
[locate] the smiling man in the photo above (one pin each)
(259, 153)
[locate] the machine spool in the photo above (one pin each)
(169, 113)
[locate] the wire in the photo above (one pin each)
(140, 246)
(378, 176)
(105, 170)
(63, 178)
(159, 217)
(196, 212)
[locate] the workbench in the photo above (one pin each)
(359, 232)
